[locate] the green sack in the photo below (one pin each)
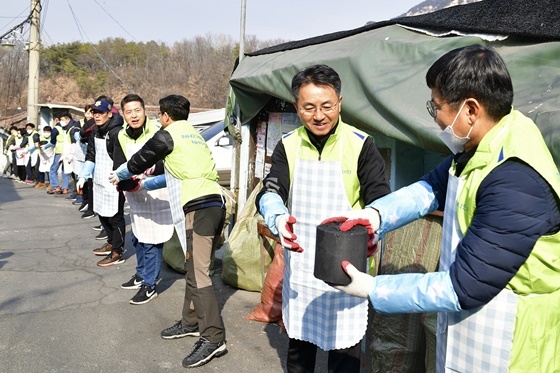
(173, 254)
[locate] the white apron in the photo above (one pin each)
(478, 340)
(150, 214)
(78, 156)
(105, 195)
(177, 212)
(312, 310)
(33, 156)
(21, 155)
(67, 152)
(46, 158)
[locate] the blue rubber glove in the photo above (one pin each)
(271, 206)
(156, 182)
(77, 136)
(47, 145)
(87, 169)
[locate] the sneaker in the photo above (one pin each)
(111, 259)
(83, 207)
(78, 200)
(71, 196)
(98, 227)
(204, 351)
(28, 181)
(5, 176)
(133, 284)
(102, 235)
(178, 330)
(88, 215)
(144, 295)
(103, 250)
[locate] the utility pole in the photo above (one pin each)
(33, 48)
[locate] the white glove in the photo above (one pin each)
(80, 184)
(362, 284)
(285, 223)
(113, 178)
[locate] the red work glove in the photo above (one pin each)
(285, 223)
(129, 185)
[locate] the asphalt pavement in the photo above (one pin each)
(60, 312)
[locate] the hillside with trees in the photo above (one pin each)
(76, 73)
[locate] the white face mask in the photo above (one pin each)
(455, 143)
(62, 123)
(47, 135)
(29, 132)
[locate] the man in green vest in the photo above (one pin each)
(498, 287)
(198, 212)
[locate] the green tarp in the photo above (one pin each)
(383, 80)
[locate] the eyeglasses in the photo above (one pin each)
(432, 108)
(325, 109)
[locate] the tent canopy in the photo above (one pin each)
(383, 67)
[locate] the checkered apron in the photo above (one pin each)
(68, 166)
(105, 195)
(177, 212)
(46, 157)
(478, 340)
(150, 214)
(33, 155)
(78, 156)
(312, 310)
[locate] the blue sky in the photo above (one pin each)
(169, 21)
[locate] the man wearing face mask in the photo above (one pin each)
(498, 286)
(60, 139)
(46, 156)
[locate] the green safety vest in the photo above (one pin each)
(150, 128)
(191, 162)
(348, 138)
(537, 282)
(59, 148)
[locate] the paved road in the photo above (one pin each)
(59, 312)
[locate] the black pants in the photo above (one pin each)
(301, 358)
(200, 306)
(115, 227)
(87, 193)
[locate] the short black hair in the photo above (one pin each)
(47, 128)
(66, 114)
(130, 98)
(176, 106)
(321, 75)
(13, 128)
(30, 125)
(473, 71)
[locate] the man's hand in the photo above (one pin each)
(362, 284)
(80, 185)
(150, 170)
(368, 217)
(121, 173)
(285, 223)
(113, 178)
(130, 185)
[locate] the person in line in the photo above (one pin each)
(108, 202)
(325, 166)
(46, 156)
(198, 211)
(150, 214)
(60, 139)
(87, 189)
(80, 150)
(29, 145)
(498, 287)
(10, 169)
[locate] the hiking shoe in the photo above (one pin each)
(98, 227)
(111, 259)
(178, 330)
(102, 235)
(88, 215)
(78, 200)
(71, 196)
(204, 351)
(103, 250)
(144, 295)
(83, 207)
(133, 284)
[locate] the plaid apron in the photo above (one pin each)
(312, 310)
(79, 151)
(105, 194)
(46, 158)
(478, 340)
(177, 213)
(150, 214)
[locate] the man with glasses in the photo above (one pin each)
(498, 287)
(108, 202)
(326, 167)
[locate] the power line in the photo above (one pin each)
(93, 46)
(117, 22)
